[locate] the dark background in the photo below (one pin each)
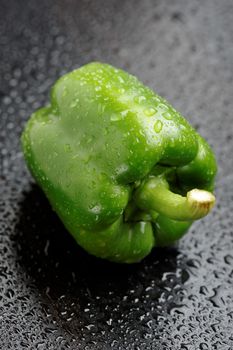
(52, 294)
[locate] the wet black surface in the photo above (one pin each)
(52, 294)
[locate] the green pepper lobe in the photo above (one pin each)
(122, 168)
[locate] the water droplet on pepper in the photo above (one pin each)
(158, 126)
(167, 115)
(67, 147)
(150, 111)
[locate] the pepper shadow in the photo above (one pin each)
(69, 279)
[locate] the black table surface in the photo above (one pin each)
(52, 294)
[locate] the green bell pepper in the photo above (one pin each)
(124, 171)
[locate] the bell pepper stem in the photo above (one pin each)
(155, 195)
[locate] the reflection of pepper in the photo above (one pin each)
(118, 164)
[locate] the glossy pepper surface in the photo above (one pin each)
(124, 171)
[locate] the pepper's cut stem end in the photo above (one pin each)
(155, 195)
(200, 201)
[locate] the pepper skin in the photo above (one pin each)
(124, 171)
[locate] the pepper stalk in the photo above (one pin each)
(154, 194)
